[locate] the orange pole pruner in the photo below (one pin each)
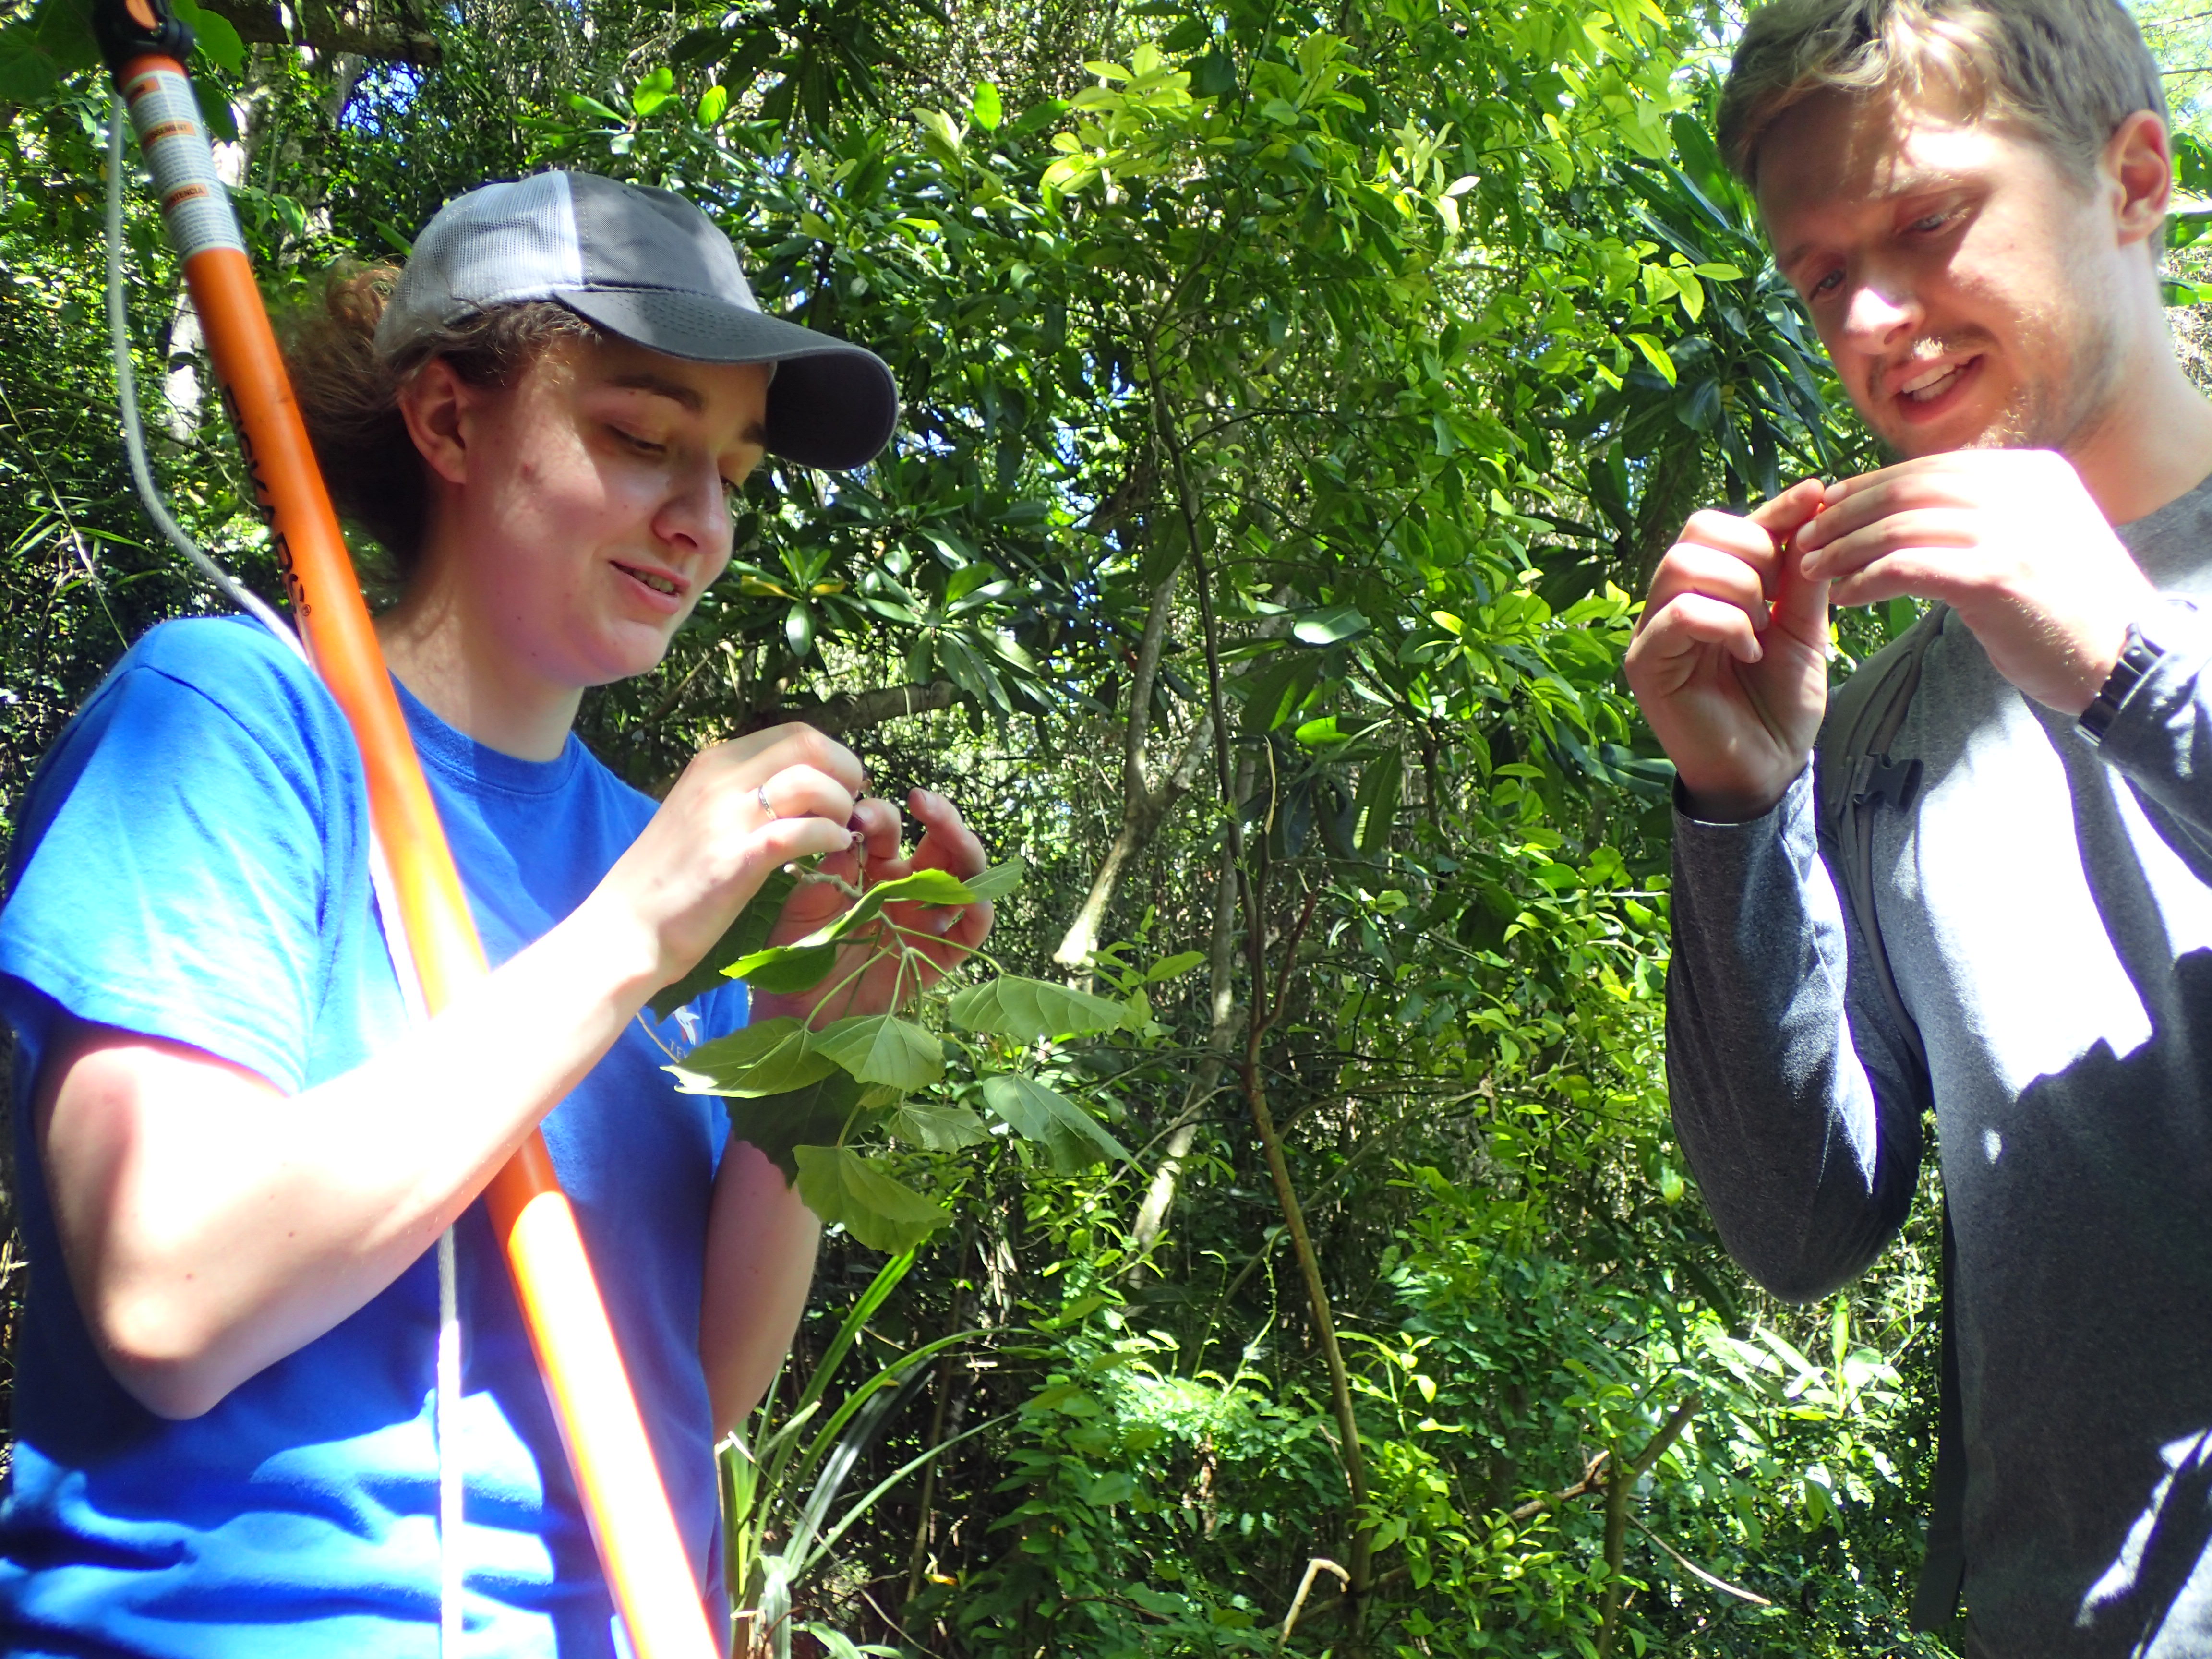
(646, 1567)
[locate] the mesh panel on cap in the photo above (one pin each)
(495, 245)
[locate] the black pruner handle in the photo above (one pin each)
(128, 30)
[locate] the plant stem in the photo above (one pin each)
(1349, 1451)
(1621, 1477)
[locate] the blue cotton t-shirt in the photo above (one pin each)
(192, 862)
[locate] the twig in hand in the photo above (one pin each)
(823, 878)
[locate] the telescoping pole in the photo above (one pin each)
(643, 1556)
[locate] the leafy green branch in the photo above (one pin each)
(823, 1102)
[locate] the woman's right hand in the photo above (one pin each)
(1730, 657)
(713, 841)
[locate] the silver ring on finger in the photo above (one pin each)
(768, 809)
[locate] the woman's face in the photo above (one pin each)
(585, 509)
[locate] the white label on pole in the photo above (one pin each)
(194, 204)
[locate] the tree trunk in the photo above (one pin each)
(399, 34)
(1152, 1214)
(1350, 1453)
(1142, 807)
(1143, 811)
(855, 711)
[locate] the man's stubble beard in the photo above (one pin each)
(2060, 407)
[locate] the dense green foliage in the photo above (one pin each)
(1295, 396)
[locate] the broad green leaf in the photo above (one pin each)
(712, 104)
(215, 37)
(1691, 293)
(769, 1057)
(1656, 356)
(215, 113)
(1213, 75)
(922, 887)
(818, 1115)
(1376, 806)
(1069, 174)
(1174, 967)
(748, 932)
(800, 965)
(939, 1127)
(942, 136)
(841, 1186)
(1275, 691)
(27, 75)
(1032, 1009)
(38, 52)
(999, 880)
(656, 89)
(986, 107)
(1071, 1138)
(697, 46)
(838, 1645)
(785, 969)
(883, 1048)
(1328, 626)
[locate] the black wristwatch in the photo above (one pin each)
(2139, 653)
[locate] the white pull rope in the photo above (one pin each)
(447, 1414)
(126, 398)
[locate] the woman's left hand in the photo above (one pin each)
(873, 975)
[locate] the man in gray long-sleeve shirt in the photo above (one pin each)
(1970, 196)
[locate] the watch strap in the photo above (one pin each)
(2139, 653)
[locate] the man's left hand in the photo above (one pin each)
(2008, 538)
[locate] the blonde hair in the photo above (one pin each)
(349, 396)
(2067, 71)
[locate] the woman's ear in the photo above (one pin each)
(436, 403)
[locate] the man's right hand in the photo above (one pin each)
(1730, 657)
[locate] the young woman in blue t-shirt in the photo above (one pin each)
(239, 1155)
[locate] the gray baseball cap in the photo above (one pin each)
(648, 265)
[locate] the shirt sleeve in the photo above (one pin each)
(1796, 1101)
(170, 875)
(2161, 737)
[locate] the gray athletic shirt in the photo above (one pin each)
(2047, 907)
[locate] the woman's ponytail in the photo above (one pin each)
(349, 396)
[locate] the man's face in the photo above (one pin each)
(1962, 280)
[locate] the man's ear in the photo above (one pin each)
(436, 403)
(2138, 165)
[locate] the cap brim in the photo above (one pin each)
(832, 405)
